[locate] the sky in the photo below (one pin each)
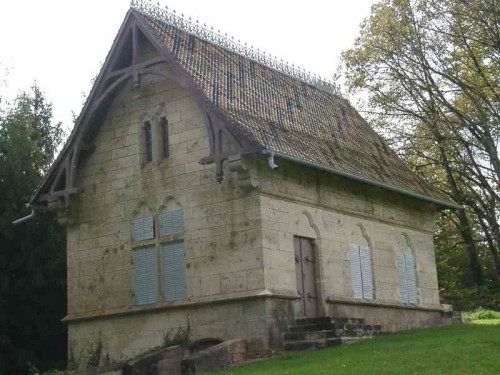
(62, 43)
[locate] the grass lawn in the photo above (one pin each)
(462, 349)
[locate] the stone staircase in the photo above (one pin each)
(314, 333)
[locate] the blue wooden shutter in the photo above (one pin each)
(174, 271)
(145, 276)
(138, 229)
(411, 278)
(171, 222)
(143, 228)
(365, 257)
(355, 264)
(149, 230)
(403, 288)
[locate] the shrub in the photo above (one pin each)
(482, 313)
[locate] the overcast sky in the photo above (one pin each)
(61, 43)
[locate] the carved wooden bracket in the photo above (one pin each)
(57, 192)
(224, 145)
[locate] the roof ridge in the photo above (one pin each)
(171, 18)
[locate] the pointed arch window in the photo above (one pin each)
(148, 141)
(360, 260)
(164, 138)
(173, 254)
(407, 274)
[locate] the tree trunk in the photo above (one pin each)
(466, 233)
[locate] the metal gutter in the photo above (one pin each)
(448, 204)
(26, 218)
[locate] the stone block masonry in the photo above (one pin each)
(239, 242)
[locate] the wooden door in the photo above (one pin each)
(305, 270)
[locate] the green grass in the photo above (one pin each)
(462, 349)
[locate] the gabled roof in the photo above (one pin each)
(276, 112)
(287, 115)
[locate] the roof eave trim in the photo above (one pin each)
(443, 203)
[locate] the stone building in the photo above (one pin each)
(208, 186)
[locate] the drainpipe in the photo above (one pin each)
(271, 154)
(270, 158)
(26, 218)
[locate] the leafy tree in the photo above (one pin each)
(429, 72)
(32, 256)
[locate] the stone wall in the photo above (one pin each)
(335, 212)
(222, 226)
(241, 280)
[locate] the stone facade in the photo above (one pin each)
(241, 277)
(335, 212)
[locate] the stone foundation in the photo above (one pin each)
(392, 318)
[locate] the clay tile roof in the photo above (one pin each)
(286, 115)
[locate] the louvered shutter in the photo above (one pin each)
(171, 222)
(138, 229)
(411, 278)
(403, 287)
(366, 272)
(355, 264)
(174, 271)
(145, 276)
(143, 228)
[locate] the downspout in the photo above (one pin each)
(26, 218)
(271, 155)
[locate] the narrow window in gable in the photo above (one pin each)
(360, 261)
(164, 137)
(148, 142)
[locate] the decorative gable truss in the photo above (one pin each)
(125, 63)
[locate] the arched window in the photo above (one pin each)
(144, 254)
(173, 254)
(406, 271)
(168, 240)
(360, 261)
(148, 141)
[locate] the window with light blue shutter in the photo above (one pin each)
(403, 288)
(171, 222)
(143, 228)
(411, 278)
(145, 276)
(174, 271)
(407, 278)
(355, 265)
(360, 261)
(366, 272)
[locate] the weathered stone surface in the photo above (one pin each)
(215, 358)
(165, 362)
(240, 266)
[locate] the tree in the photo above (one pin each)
(429, 71)
(32, 256)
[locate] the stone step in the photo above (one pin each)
(348, 321)
(326, 320)
(358, 330)
(345, 329)
(312, 344)
(308, 321)
(312, 327)
(310, 335)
